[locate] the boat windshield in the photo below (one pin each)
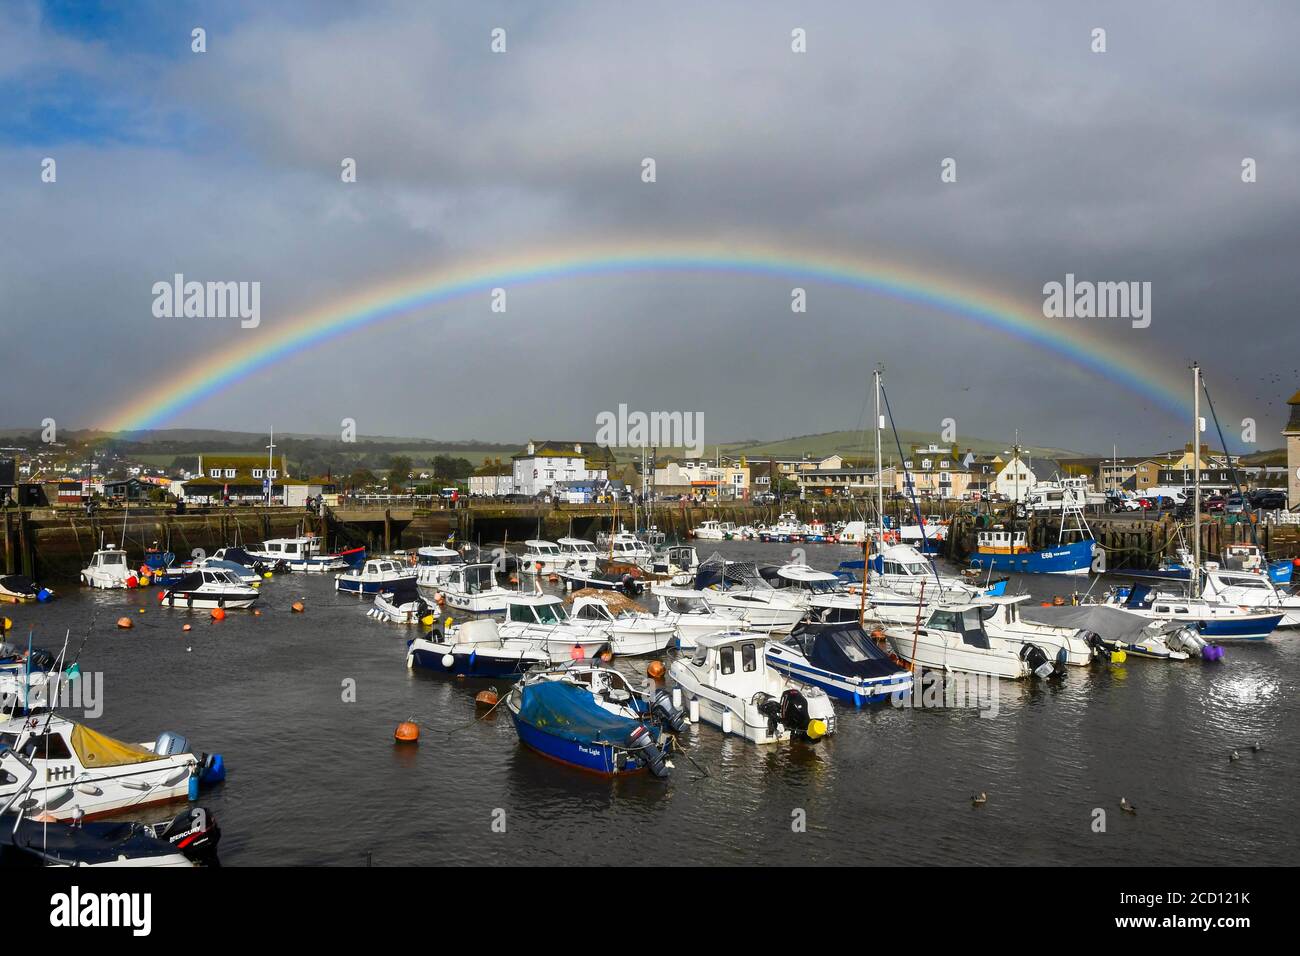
(685, 605)
(116, 557)
(478, 578)
(553, 613)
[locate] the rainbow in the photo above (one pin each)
(1079, 343)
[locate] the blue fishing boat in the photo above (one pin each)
(475, 649)
(1007, 551)
(563, 721)
(842, 660)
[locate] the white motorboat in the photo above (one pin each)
(730, 685)
(81, 772)
(953, 638)
(301, 554)
(902, 569)
(542, 557)
(1251, 589)
(435, 564)
(1065, 645)
(677, 562)
(631, 633)
(712, 530)
(788, 527)
(377, 574)
(475, 649)
(579, 554)
(472, 588)
(1212, 620)
(688, 612)
(737, 589)
(108, 569)
(401, 603)
(627, 548)
(209, 588)
(543, 621)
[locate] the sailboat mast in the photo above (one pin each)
(1196, 465)
(880, 488)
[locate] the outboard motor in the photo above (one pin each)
(791, 711)
(1100, 650)
(1189, 640)
(662, 709)
(194, 832)
(170, 743)
(641, 744)
(1039, 664)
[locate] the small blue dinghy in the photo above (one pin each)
(563, 721)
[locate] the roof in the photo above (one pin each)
(801, 572)
(722, 638)
(566, 449)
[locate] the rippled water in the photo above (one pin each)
(314, 780)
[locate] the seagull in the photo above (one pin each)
(1257, 746)
(1126, 806)
(1234, 756)
(979, 799)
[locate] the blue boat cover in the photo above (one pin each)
(843, 649)
(563, 710)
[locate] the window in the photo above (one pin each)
(273, 473)
(214, 473)
(49, 746)
(257, 472)
(748, 659)
(727, 660)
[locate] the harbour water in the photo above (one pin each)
(314, 779)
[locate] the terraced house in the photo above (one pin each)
(542, 463)
(241, 477)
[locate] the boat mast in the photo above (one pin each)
(270, 455)
(1196, 466)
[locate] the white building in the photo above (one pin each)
(542, 463)
(1019, 475)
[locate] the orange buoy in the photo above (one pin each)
(576, 652)
(1058, 601)
(257, 612)
(162, 596)
(655, 671)
(514, 579)
(297, 607)
(407, 732)
(552, 578)
(439, 600)
(125, 623)
(486, 698)
(132, 582)
(187, 627)
(218, 614)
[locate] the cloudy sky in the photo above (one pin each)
(225, 165)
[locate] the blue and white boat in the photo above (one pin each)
(563, 721)
(377, 574)
(842, 660)
(475, 649)
(902, 569)
(1213, 621)
(306, 554)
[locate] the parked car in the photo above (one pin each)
(1214, 503)
(1269, 500)
(515, 498)
(1235, 504)
(765, 498)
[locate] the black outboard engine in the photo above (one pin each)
(662, 710)
(1039, 663)
(194, 832)
(641, 744)
(794, 711)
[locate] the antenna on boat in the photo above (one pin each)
(1196, 472)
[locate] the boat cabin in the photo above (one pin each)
(1002, 542)
(733, 660)
(110, 557)
(543, 609)
(578, 546)
(472, 579)
(380, 567)
(434, 556)
(547, 548)
(290, 547)
(964, 620)
(800, 577)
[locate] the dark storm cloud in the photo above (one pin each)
(1122, 165)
